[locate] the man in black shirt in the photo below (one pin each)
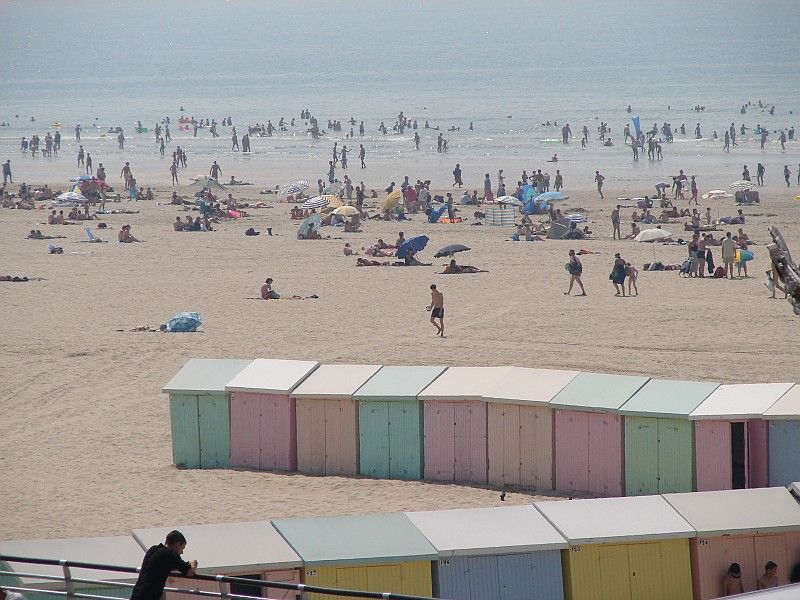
(159, 561)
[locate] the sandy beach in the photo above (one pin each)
(85, 447)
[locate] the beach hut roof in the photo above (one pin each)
(358, 539)
(225, 548)
(203, 375)
(335, 381)
(482, 531)
(668, 398)
(463, 383)
(784, 592)
(273, 376)
(529, 386)
(759, 510)
(120, 551)
(740, 401)
(398, 383)
(598, 392)
(615, 520)
(787, 406)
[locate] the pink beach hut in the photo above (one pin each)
(520, 427)
(327, 419)
(250, 550)
(589, 448)
(731, 436)
(455, 424)
(263, 419)
(749, 527)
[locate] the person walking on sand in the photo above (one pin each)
(617, 234)
(7, 172)
(617, 276)
(599, 179)
(174, 172)
(575, 270)
(457, 176)
(215, 171)
(631, 273)
(159, 561)
(361, 154)
(437, 310)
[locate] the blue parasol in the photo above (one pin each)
(183, 322)
(416, 243)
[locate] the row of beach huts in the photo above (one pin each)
(657, 547)
(576, 432)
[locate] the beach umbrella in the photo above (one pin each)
(716, 195)
(309, 224)
(183, 322)
(346, 211)
(333, 188)
(207, 182)
(576, 218)
(416, 243)
(71, 198)
(294, 187)
(550, 197)
(316, 202)
(451, 249)
(510, 200)
(333, 201)
(742, 185)
(528, 192)
(653, 235)
(392, 200)
(84, 177)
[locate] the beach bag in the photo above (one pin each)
(719, 273)
(686, 268)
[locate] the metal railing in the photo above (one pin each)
(224, 582)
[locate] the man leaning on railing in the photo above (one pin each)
(6, 595)
(159, 561)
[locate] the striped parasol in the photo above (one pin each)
(742, 185)
(294, 187)
(316, 202)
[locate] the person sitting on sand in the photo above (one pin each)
(125, 236)
(52, 218)
(635, 230)
(635, 216)
(267, 293)
(352, 224)
(178, 224)
(412, 261)
(175, 199)
(296, 213)
(73, 214)
(348, 250)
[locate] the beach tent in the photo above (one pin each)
(500, 217)
(749, 527)
(504, 553)
(622, 548)
(120, 551)
(455, 424)
(253, 550)
(659, 437)
(263, 418)
(731, 436)
(200, 412)
(375, 553)
(390, 422)
(783, 419)
(589, 447)
(327, 419)
(520, 427)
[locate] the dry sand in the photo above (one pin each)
(85, 437)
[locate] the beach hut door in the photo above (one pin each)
(738, 456)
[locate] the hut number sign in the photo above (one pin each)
(444, 562)
(311, 573)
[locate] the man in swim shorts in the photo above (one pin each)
(437, 310)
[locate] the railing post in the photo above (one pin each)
(224, 588)
(68, 585)
(303, 593)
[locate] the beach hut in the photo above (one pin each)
(251, 550)
(659, 437)
(200, 412)
(520, 427)
(504, 553)
(327, 419)
(390, 422)
(731, 436)
(783, 419)
(263, 419)
(589, 433)
(375, 553)
(122, 551)
(455, 424)
(749, 527)
(622, 548)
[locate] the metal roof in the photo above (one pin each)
(787, 406)
(359, 539)
(529, 386)
(487, 531)
(668, 398)
(398, 383)
(598, 392)
(229, 548)
(273, 376)
(335, 381)
(740, 401)
(204, 375)
(731, 512)
(463, 383)
(615, 520)
(120, 551)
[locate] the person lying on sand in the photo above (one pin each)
(455, 269)
(36, 234)
(365, 262)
